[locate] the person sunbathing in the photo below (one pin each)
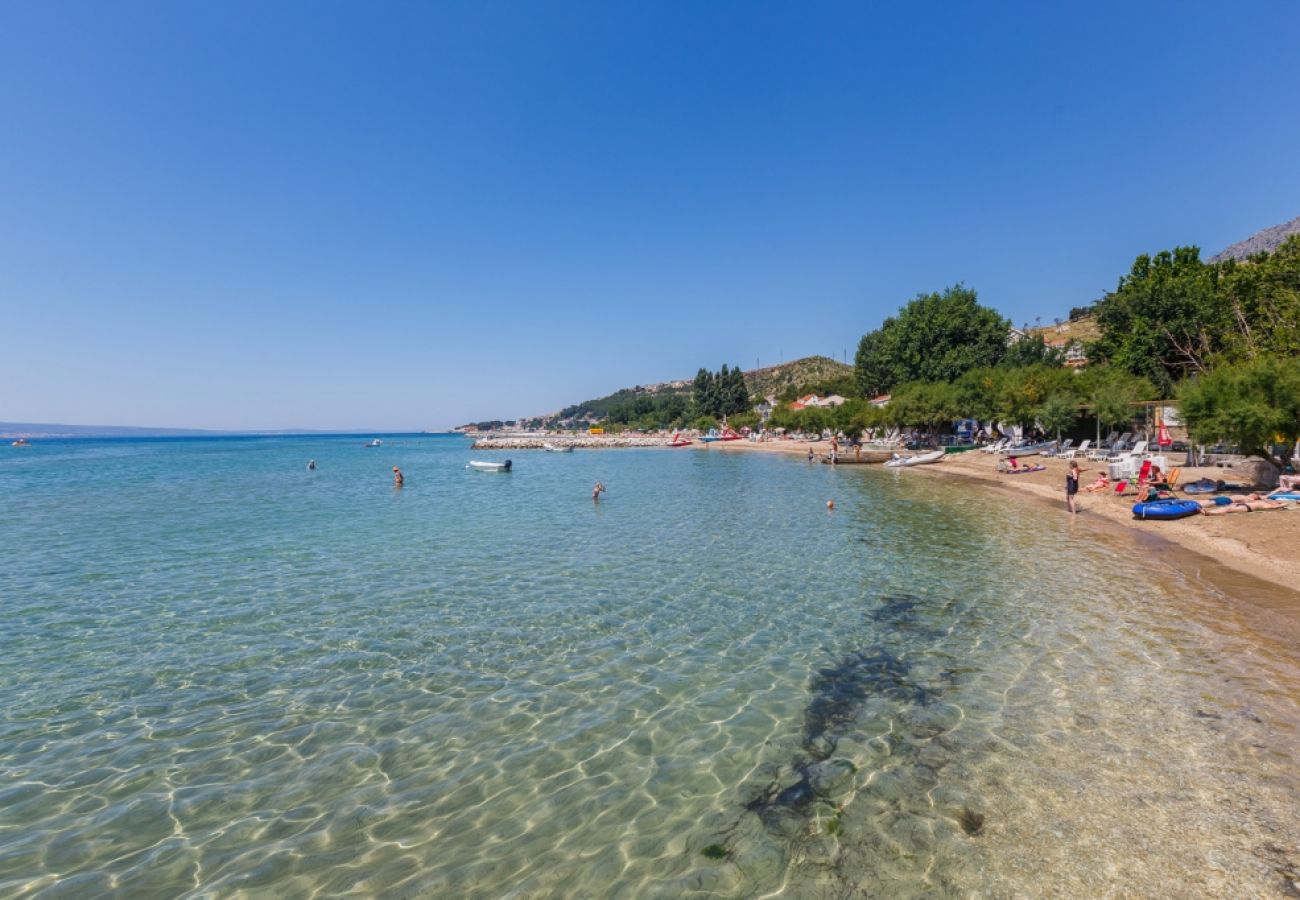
(1100, 484)
(1210, 508)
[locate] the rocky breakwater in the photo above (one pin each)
(580, 441)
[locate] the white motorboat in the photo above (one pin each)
(485, 466)
(920, 459)
(558, 448)
(375, 443)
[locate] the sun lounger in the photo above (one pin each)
(1110, 446)
(1071, 453)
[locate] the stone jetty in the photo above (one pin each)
(577, 441)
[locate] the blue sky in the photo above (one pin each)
(409, 215)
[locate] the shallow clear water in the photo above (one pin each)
(224, 674)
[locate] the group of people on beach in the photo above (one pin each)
(1157, 487)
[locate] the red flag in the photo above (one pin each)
(1163, 438)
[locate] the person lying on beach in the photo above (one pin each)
(1222, 509)
(1221, 506)
(1100, 484)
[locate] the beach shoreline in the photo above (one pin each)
(1260, 546)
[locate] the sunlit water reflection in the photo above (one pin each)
(226, 674)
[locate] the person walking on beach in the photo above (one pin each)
(1072, 486)
(597, 491)
(398, 480)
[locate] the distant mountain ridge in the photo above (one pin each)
(1265, 241)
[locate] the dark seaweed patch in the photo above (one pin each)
(714, 851)
(838, 693)
(971, 822)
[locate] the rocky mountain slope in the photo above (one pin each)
(1265, 241)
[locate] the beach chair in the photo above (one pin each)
(1121, 487)
(1122, 450)
(1072, 452)
(1138, 451)
(1063, 449)
(1108, 447)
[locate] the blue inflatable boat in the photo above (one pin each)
(1166, 509)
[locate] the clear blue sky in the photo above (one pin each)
(406, 215)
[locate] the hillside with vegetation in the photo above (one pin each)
(810, 375)
(1220, 337)
(708, 396)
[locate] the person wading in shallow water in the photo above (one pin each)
(597, 491)
(1072, 486)
(398, 480)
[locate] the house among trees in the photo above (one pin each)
(813, 400)
(1075, 357)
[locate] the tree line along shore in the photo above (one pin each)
(1219, 340)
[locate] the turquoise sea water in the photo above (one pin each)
(226, 675)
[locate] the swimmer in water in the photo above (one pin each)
(597, 491)
(311, 465)
(398, 480)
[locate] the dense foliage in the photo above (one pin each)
(719, 394)
(1254, 405)
(1174, 316)
(936, 337)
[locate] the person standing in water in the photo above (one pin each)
(1072, 485)
(398, 480)
(597, 491)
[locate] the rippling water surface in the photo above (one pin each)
(223, 674)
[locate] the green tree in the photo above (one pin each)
(1113, 394)
(936, 337)
(1033, 351)
(1022, 391)
(1059, 412)
(1165, 320)
(1253, 404)
(978, 391)
(921, 404)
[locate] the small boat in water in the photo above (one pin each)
(21, 442)
(558, 448)
(921, 459)
(679, 441)
(854, 458)
(375, 443)
(485, 466)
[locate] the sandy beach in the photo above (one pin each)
(1263, 545)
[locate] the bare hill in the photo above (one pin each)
(1265, 241)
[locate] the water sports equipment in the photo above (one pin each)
(1166, 509)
